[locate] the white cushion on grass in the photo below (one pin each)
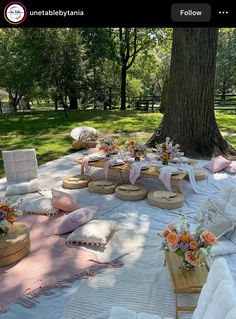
(23, 188)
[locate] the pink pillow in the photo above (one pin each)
(75, 219)
(63, 201)
(231, 168)
(217, 164)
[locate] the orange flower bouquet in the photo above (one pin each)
(194, 248)
(8, 214)
(167, 150)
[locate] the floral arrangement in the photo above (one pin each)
(109, 146)
(137, 149)
(194, 248)
(168, 150)
(89, 136)
(8, 214)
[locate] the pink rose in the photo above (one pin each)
(208, 238)
(172, 226)
(192, 257)
(172, 239)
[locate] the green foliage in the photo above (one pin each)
(226, 61)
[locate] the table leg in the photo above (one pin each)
(177, 185)
(176, 306)
(81, 169)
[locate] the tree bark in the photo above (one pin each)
(123, 88)
(189, 118)
(164, 94)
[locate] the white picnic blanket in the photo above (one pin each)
(130, 214)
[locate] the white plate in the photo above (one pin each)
(117, 163)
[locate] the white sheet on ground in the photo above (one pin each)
(127, 213)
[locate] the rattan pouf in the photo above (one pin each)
(199, 174)
(102, 186)
(131, 192)
(165, 199)
(14, 245)
(90, 144)
(78, 145)
(76, 181)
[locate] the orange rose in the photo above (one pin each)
(172, 239)
(165, 155)
(132, 142)
(192, 257)
(193, 245)
(166, 232)
(185, 238)
(208, 238)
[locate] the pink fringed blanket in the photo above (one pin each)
(49, 264)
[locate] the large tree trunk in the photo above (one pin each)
(164, 94)
(189, 118)
(123, 88)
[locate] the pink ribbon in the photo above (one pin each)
(135, 172)
(85, 164)
(165, 177)
(106, 167)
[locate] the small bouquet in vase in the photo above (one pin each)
(194, 248)
(167, 150)
(8, 214)
(138, 149)
(109, 146)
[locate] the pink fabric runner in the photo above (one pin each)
(165, 177)
(135, 172)
(49, 264)
(85, 164)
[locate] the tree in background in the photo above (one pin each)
(189, 118)
(226, 62)
(20, 66)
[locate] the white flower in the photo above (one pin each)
(4, 223)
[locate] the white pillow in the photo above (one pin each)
(40, 206)
(95, 232)
(214, 218)
(224, 195)
(23, 188)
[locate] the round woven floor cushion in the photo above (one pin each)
(165, 199)
(131, 192)
(14, 245)
(90, 144)
(78, 145)
(199, 173)
(102, 186)
(76, 181)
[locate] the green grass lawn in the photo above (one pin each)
(49, 132)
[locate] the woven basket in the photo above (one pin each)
(14, 245)
(131, 192)
(78, 145)
(199, 173)
(102, 186)
(76, 181)
(165, 199)
(90, 144)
